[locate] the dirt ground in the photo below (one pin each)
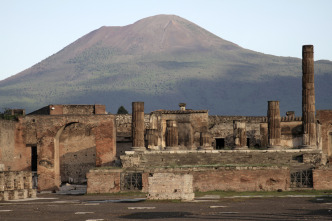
(100, 207)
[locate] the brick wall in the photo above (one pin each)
(325, 119)
(242, 179)
(149, 159)
(322, 179)
(103, 181)
(170, 186)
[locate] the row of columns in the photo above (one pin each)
(172, 137)
(239, 131)
(172, 133)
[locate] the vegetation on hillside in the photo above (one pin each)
(206, 72)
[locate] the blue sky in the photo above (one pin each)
(35, 29)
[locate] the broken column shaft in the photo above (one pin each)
(172, 135)
(152, 138)
(138, 126)
(205, 141)
(274, 128)
(308, 97)
(239, 134)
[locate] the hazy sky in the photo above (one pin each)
(33, 30)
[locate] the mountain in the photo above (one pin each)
(164, 60)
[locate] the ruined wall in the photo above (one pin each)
(179, 183)
(151, 159)
(103, 181)
(16, 185)
(322, 178)
(324, 118)
(77, 152)
(13, 152)
(256, 130)
(291, 134)
(46, 132)
(7, 142)
(60, 109)
(123, 132)
(178, 186)
(190, 124)
(222, 127)
(242, 179)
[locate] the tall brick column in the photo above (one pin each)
(274, 129)
(239, 134)
(172, 135)
(308, 97)
(138, 126)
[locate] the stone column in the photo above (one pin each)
(205, 141)
(239, 134)
(274, 129)
(138, 126)
(308, 97)
(172, 135)
(152, 138)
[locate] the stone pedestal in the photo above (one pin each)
(172, 135)
(274, 128)
(138, 126)
(308, 98)
(239, 134)
(205, 141)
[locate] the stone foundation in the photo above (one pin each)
(16, 185)
(103, 181)
(165, 186)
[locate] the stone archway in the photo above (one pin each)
(75, 152)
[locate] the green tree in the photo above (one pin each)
(122, 110)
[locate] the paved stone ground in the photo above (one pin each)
(63, 207)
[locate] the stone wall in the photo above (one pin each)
(96, 141)
(322, 178)
(16, 185)
(190, 124)
(103, 181)
(77, 153)
(153, 159)
(170, 186)
(61, 109)
(242, 179)
(180, 182)
(13, 152)
(221, 127)
(324, 118)
(123, 132)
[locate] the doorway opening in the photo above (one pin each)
(220, 143)
(34, 158)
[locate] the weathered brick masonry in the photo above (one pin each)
(322, 178)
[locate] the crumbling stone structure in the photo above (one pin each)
(172, 135)
(274, 128)
(240, 137)
(60, 142)
(16, 185)
(189, 124)
(138, 126)
(308, 97)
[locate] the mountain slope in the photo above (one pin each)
(164, 60)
